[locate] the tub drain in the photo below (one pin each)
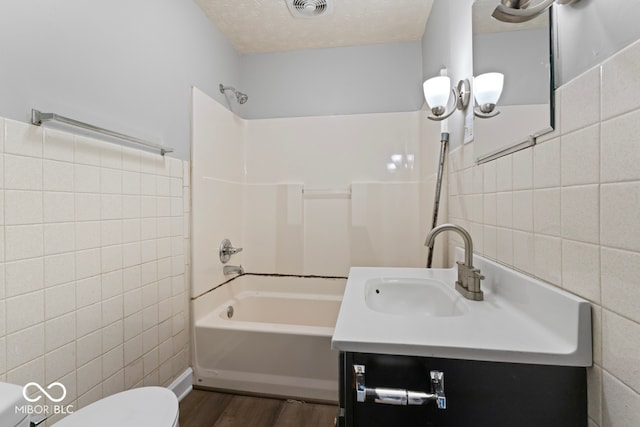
(230, 311)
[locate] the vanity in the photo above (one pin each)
(414, 352)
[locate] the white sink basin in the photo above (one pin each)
(417, 312)
(402, 296)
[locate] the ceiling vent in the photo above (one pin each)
(309, 8)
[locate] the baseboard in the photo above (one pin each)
(183, 384)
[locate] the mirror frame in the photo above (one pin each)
(530, 140)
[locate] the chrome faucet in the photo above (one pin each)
(468, 283)
(232, 269)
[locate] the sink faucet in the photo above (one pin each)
(468, 283)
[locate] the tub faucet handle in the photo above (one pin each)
(233, 251)
(226, 250)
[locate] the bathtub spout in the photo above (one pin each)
(232, 269)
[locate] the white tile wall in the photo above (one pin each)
(620, 84)
(581, 269)
(620, 290)
(580, 156)
(621, 348)
(619, 227)
(620, 404)
(78, 222)
(581, 213)
(576, 198)
(580, 102)
(546, 164)
(522, 170)
(621, 154)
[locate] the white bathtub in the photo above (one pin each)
(278, 340)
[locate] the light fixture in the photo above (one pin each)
(515, 11)
(437, 94)
(487, 89)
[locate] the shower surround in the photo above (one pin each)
(310, 195)
(306, 196)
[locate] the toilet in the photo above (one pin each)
(145, 406)
(10, 398)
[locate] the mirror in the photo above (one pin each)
(522, 52)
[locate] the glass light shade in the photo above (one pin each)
(487, 88)
(436, 91)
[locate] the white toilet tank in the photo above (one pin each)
(11, 400)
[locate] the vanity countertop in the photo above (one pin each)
(520, 320)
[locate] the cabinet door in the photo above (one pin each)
(478, 393)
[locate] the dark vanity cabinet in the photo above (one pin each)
(478, 393)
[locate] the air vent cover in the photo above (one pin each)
(309, 8)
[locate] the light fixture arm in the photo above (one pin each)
(515, 15)
(459, 101)
(492, 112)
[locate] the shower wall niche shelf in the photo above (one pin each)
(38, 118)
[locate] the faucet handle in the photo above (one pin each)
(226, 250)
(232, 251)
(476, 273)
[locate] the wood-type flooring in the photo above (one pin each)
(203, 408)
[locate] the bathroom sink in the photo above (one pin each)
(418, 312)
(402, 296)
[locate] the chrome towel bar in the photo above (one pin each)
(38, 118)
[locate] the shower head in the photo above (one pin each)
(240, 97)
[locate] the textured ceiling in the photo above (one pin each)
(254, 26)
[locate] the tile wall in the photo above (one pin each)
(92, 264)
(568, 212)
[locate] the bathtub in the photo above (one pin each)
(269, 335)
